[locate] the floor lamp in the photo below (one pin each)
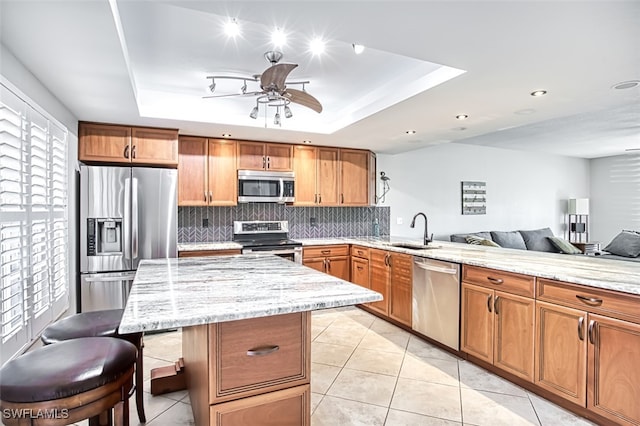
(578, 216)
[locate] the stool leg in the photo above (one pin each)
(139, 384)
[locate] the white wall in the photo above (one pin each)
(615, 196)
(20, 77)
(525, 190)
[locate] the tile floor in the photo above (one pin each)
(368, 372)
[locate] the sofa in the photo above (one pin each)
(625, 245)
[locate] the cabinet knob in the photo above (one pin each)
(592, 338)
(495, 280)
(268, 162)
(581, 328)
(341, 198)
(210, 196)
(589, 300)
(133, 152)
(495, 305)
(126, 151)
(325, 251)
(489, 303)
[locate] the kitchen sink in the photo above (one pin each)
(413, 246)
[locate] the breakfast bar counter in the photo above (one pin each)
(246, 330)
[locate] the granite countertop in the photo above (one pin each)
(592, 271)
(170, 293)
(218, 245)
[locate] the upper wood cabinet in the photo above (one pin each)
(106, 143)
(354, 177)
(265, 156)
(207, 172)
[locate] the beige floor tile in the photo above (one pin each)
(419, 347)
(322, 376)
(403, 418)
(356, 324)
(154, 406)
(330, 354)
(383, 327)
(375, 361)
(361, 386)
(178, 414)
(341, 336)
(429, 399)
(316, 330)
(341, 412)
(323, 320)
(477, 378)
(488, 408)
(550, 414)
(176, 396)
(432, 370)
(168, 348)
(315, 400)
(388, 342)
(150, 363)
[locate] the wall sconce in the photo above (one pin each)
(385, 187)
(578, 220)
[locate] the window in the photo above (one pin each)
(34, 274)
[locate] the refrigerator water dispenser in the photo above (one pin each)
(104, 236)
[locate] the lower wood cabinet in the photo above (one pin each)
(360, 271)
(391, 274)
(332, 260)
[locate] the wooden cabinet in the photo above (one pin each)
(254, 367)
(106, 143)
(207, 172)
(264, 156)
(379, 279)
(391, 275)
(332, 260)
(498, 326)
(354, 177)
(360, 266)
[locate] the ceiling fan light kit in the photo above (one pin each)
(273, 89)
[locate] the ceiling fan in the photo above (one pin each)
(273, 88)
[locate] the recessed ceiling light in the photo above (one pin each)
(278, 37)
(461, 129)
(626, 84)
(525, 111)
(357, 48)
(539, 93)
(462, 116)
(306, 142)
(316, 46)
(231, 28)
(226, 135)
(632, 149)
(410, 132)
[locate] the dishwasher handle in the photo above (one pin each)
(428, 267)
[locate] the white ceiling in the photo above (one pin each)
(145, 62)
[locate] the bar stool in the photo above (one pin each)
(99, 324)
(68, 382)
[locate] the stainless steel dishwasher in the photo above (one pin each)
(436, 300)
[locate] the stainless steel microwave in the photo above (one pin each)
(255, 186)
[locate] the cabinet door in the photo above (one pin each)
(477, 322)
(279, 157)
(613, 376)
(379, 279)
(223, 175)
(354, 177)
(561, 351)
(327, 177)
(192, 172)
(318, 264)
(514, 334)
(400, 298)
(154, 146)
(360, 271)
(101, 142)
(338, 266)
(251, 156)
(304, 167)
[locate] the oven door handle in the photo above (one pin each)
(269, 251)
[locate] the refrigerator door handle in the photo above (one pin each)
(134, 219)
(127, 219)
(96, 278)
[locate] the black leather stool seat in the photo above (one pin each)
(65, 369)
(86, 324)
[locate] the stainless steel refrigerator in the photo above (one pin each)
(127, 214)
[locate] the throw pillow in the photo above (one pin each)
(511, 239)
(537, 240)
(472, 239)
(461, 238)
(564, 246)
(625, 244)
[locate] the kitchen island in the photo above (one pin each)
(246, 330)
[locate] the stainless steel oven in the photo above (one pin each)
(256, 186)
(267, 237)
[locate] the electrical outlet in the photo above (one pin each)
(399, 221)
(313, 221)
(205, 222)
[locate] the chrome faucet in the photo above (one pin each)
(427, 240)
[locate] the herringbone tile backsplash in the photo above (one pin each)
(329, 221)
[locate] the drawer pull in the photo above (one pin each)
(495, 305)
(581, 328)
(360, 252)
(489, 303)
(495, 280)
(589, 300)
(264, 350)
(360, 268)
(592, 338)
(325, 251)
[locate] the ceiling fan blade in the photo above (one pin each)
(273, 78)
(232, 94)
(304, 99)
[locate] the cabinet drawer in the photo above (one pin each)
(326, 251)
(600, 301)
(360, 251)
(522, 285)
(289, 407)
(258, 355)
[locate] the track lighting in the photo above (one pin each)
(287, 112)
(254, 112)
(276, 119)
(212, 86)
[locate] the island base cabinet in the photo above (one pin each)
(288, 407)
(613, 369)
(477, 322)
